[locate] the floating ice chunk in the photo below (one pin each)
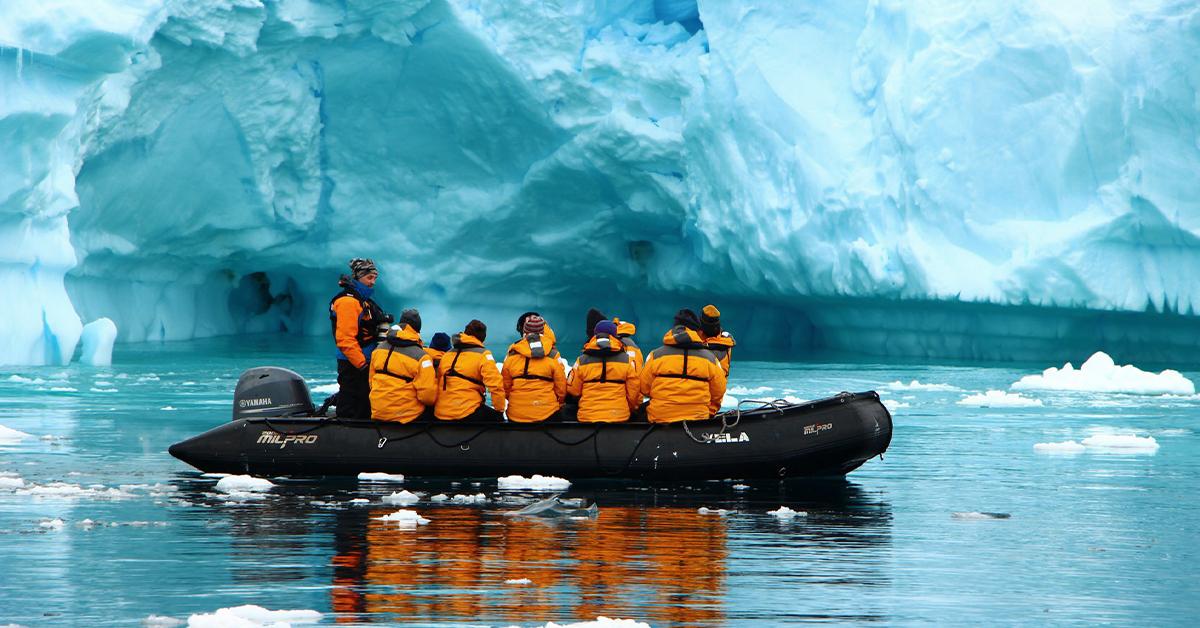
(73, 491)
(519, 581)
(742, 390)
(478, 498)
(20, 379)
(251, 616)
(555, 507)
(11, 482)
(161, 621)
(535, 483)
(9, 436)
(705, 510)
(87, 524)
(326, 389)
(246, 483)
(1101, 374)
(63, 389)
(601, 622)
(783, 512)
(98, 338)
(729, 401)
(96, 389)
(1121, 443)
(999, 399)
(741, 487)
(892, 405)
(916, 385)
(440, 497)
(168, 408)
(1065, 447)
(405, 518)
(402, 498)
(381, 477)
(51, 524)
(360, 501)
(979, 516)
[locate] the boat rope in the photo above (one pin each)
(384, 440)
(578, 442)
(466, 442)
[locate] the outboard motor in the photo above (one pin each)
(270, 391)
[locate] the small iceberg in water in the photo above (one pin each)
(556, 507)
(1101, 374)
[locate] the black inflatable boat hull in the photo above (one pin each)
(830, 437)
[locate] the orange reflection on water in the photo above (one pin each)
(658, 564)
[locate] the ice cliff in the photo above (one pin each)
(984, 179)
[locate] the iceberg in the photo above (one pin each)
(1007, 180)
(1101, 374)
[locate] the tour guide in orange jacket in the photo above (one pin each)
(534, 379)
(465, 372)
(682, 377)
(355, 319)
(605, 378)
(403, 381)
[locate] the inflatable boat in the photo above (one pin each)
(274, 433)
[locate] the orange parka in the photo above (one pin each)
(436, 356)
(605, 379)
(465, 372)
(535, 381)
(625, 331)
(403, 380)
(722, 347)
(682, 379)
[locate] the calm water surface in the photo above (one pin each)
(1092, 537)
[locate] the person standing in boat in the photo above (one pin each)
(403, 380)
(625, 332)
(355, 319)
(605, 378)
(535, 381)
(716, 339)
(682, 378)
(465, 373)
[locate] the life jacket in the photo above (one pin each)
(534, 379)
(403, 379)
(368, 322)
(605, 380)
(683, 379)
(537, 349)
(625, 331)
(467, 371)
(721, 346)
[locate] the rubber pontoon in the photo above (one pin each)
(830, 437)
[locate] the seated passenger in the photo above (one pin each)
(403, 380)
(466, 372)
(718, 340)
(605, 378)
(438, 346)
(534, 379)
(625, 331)
(682, 377)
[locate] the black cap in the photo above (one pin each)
(687, 318)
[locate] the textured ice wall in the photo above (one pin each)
(832, 173)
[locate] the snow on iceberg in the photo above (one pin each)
(535, 483)
(1101, 374)
(252, 616)
(999, 399)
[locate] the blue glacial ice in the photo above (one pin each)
(1005, 180)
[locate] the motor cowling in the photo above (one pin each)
(270, 391)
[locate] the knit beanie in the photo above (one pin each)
(710, 321)
(412, 318)
(687, 318)
(361, 266)
(593, 316)
(477, 329)
(521, 321)
(606, 327)
(534, 324)
(440, 342)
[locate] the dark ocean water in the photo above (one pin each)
(99, 526)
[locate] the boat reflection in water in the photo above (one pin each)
(650, 556)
